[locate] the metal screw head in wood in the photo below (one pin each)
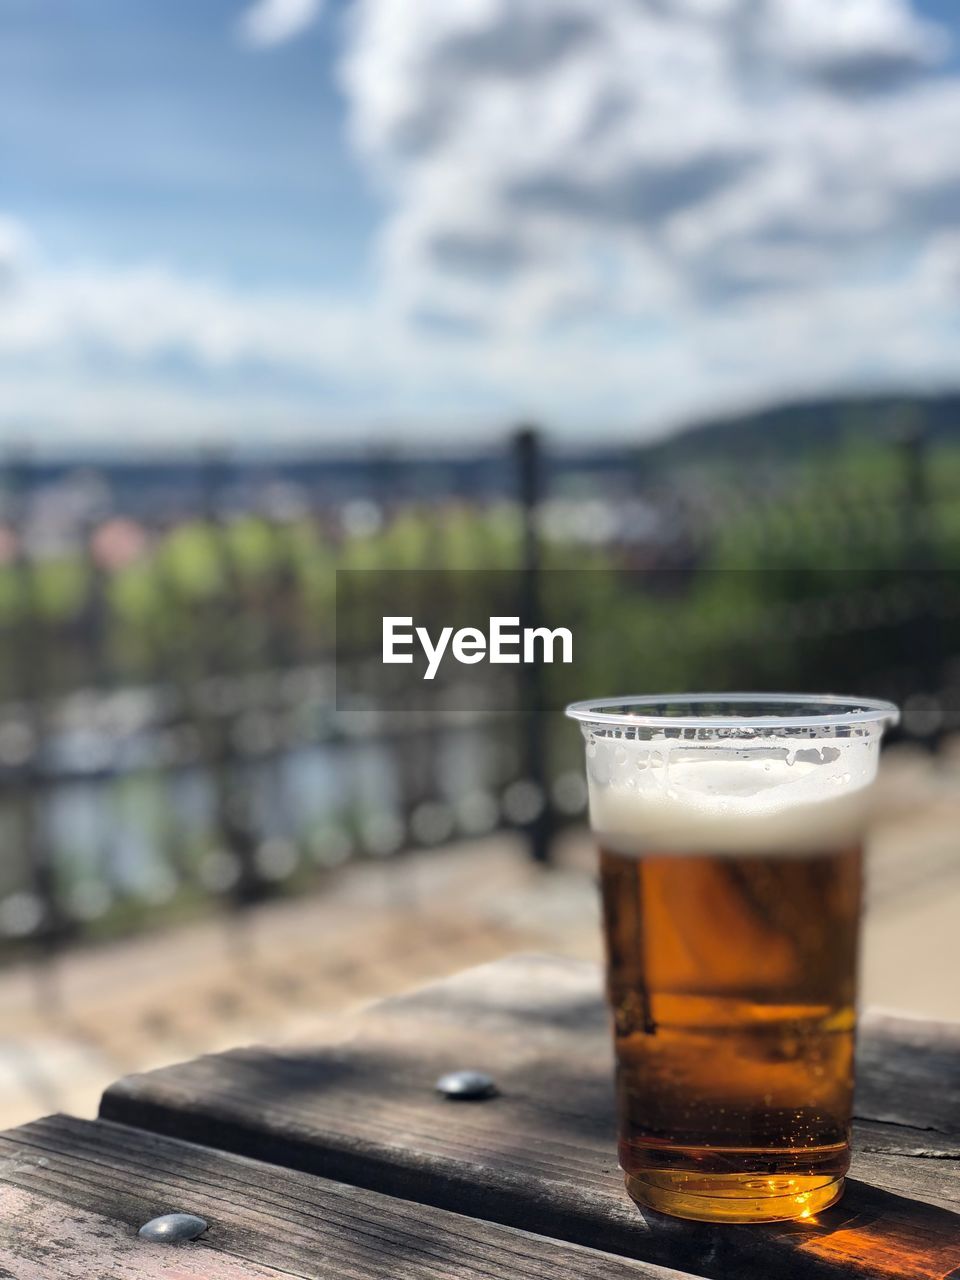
(467, 1086)
(171, 1228)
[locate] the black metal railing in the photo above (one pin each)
(167, 725)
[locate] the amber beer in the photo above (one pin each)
(730, 866)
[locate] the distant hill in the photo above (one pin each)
(794, 430)
(179, 482)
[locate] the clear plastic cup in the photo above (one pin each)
(730, 829)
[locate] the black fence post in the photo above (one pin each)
(224, 657)
(528, 453)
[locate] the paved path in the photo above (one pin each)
(296, 967)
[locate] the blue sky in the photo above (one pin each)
(250, 218)
(132, 130)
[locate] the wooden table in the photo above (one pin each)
(344, 1162)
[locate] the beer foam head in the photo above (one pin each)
(764, 795)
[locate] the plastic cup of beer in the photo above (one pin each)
(731, 830)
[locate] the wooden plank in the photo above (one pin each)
(41, 1238)
(73, 1194)
(542, 1154)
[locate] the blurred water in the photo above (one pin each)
(144, 833)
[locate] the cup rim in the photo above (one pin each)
(823, 710)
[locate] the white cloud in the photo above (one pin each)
(96, 352)
(852, 44)
(94, 348)
(15, 250)
(650, 161)
(151, 313)
(605, 215)
(270, 22)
